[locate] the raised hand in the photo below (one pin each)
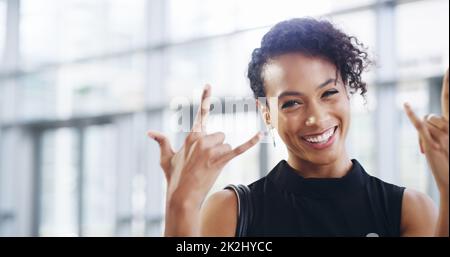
(433, 137)
(192, 171)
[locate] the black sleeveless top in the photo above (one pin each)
(285, 204)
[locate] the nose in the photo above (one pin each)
(316, 115)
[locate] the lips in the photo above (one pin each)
(322, 140)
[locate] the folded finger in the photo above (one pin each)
(218, 151)
(436, 135)
(211, 140)
(437, 122)
(240, 149)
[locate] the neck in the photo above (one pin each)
(335, 169)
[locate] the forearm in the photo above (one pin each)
(182, 217)
(182, 223)
(442, 223)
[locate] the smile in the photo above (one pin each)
(320, 141)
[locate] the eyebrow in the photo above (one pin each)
(295, 93)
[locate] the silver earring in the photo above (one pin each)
(271, 128)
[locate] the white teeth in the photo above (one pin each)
(321, 138)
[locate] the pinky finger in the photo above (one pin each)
(437, 135)
(238, 150)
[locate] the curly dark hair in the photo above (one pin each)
(314, 38)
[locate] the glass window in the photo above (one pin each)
(364, 30)
(343, 4)
(255, 13)
(59, 187)
(35, 96)
(99, 181)
(9, 140)
(115, 85)
(63, 30)
(195, 18)
(193, 65)
(2, 27)
(7, 101)
(222, 62)
(198, 18)
(422, 42)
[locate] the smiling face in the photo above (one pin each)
(311, 110)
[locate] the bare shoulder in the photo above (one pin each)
(219, 214)
(419, 214)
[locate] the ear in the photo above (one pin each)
(265, 112)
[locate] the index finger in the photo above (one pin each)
(444, 96)
(203, 111)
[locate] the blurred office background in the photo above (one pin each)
(81, 82)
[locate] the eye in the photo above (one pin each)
(289, 104)
(330, 93)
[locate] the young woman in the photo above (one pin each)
(307, 69)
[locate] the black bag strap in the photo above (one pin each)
(245, 208)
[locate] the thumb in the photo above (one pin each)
(164, 144)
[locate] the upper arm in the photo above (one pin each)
(419, 214)
(219, 214)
